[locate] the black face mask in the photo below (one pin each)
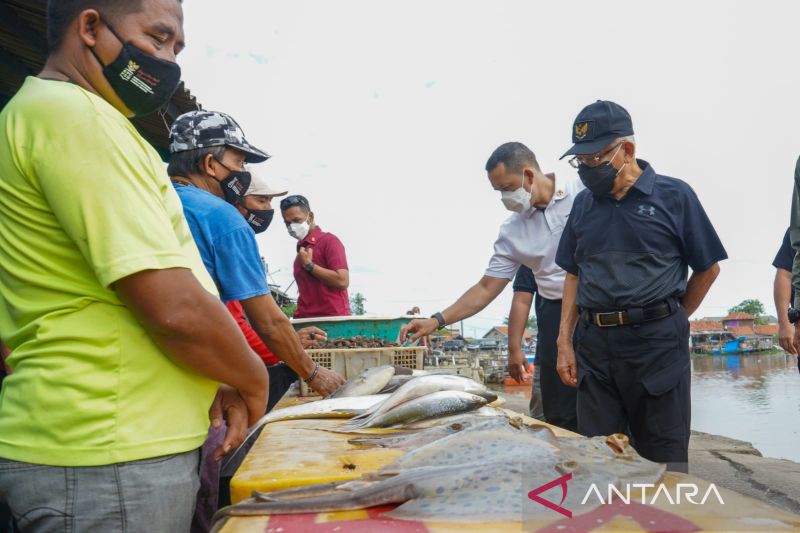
(259, 219)
(235, 185)
(143, 82)
(599, 179)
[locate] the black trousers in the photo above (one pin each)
(281, 378)
(636, 380)
(558, 400)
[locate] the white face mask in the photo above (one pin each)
(299, 230)
(517, 200)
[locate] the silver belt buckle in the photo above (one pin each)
(599, 323)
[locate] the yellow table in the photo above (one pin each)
(290, 453)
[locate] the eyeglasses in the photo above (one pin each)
(292, 201)
(592, 160)
(242, 166)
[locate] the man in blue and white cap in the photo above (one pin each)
(626, 248)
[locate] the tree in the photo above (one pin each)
(532, 323)
(751, 307)
(289, 310)
(357, 304)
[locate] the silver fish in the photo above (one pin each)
(436, 404)
(328, 408)
(396, 382)
(485, 411)
(411, 440)
(369, 381)
(420, 386)
(482, 413)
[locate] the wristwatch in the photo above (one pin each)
(794, 315)
(440, 319)
(310, 266)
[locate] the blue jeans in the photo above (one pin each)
(155, 494)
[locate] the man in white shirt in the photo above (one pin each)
(541, 204)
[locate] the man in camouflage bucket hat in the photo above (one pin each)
(207, 167)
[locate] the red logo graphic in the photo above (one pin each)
(649, 519)
(562, 481)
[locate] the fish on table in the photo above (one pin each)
(613, 454)
(476, 475)
(481, 413)
(411, 440)
(396, 382)
(344, 407)
(369, 381)
(433, 405)
(418, 387)
(486, 411)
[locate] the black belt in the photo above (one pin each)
(634, 315)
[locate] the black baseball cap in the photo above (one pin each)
(597, 125)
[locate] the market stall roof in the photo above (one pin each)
(23, 50)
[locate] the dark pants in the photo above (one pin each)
(635, 380)
(5, 518)
(558, 400)
(281, 378)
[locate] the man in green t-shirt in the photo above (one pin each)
(118, 340)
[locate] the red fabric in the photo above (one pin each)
(317, 299)
(250, 334)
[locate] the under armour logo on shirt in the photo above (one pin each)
(646, 210)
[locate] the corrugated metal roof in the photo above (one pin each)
(23, 50)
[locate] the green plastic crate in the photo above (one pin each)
(386, 328)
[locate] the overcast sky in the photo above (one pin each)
(383, 114)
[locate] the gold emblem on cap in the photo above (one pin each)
(581, 130)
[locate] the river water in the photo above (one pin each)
(754, 398)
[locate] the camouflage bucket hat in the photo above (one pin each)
(204, 129)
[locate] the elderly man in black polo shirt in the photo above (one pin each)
(627, 247)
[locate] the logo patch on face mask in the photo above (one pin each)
(236, 186)
(581, 130)
(646, 210)
(127, 72)
(138, 78)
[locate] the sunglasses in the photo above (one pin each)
(292, 201)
